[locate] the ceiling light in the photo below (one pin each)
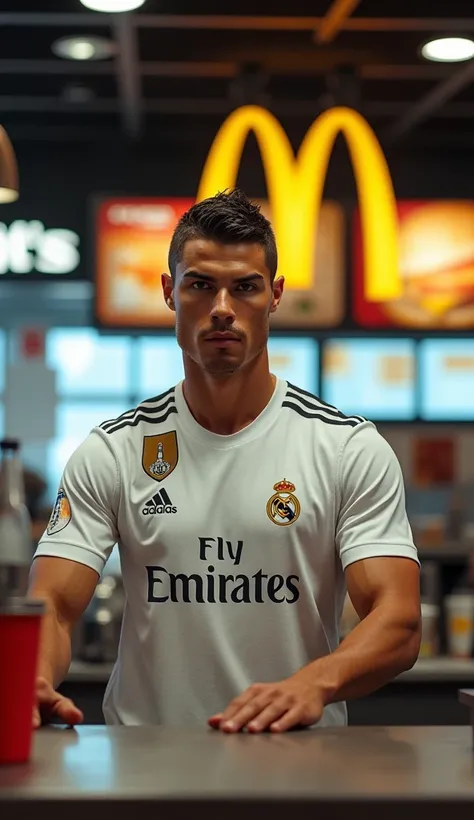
(112, 5)
(83, 48)
(448, 49)
(8, 170)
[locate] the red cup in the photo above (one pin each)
(20, 626)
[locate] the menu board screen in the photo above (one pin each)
(295, 359)
(447, 379)
(321, 303)
(132, 238)
(436, 269)
(131, 252)
(374, 378)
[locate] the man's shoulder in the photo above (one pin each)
(149, 414)
(312, 410)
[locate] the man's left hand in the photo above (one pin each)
(277, 707)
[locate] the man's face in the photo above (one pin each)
(223, 297)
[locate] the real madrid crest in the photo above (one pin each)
(283, 508)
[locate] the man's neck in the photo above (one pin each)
(226, 404)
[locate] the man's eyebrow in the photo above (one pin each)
(192, 274)
(250, 277)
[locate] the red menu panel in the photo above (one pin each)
(436, 269)
(131, 243)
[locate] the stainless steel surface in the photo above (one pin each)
(426, 670)
(176, 769)
(446, 669)
(22, 606)
(466, 697)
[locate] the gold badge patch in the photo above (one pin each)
(160, 455)
(283, 508)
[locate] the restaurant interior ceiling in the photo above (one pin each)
(175, 65)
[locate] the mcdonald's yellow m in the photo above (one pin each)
(295, 189)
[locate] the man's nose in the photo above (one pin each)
(222, 309)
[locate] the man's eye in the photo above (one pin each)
(200, 285)
(246, 286)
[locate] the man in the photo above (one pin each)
(243, 507)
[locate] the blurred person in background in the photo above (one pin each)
(243, 508)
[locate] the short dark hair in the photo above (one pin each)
(228, 217)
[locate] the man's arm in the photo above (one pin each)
(380, 561)
(385, 594)
(386, 642)
(66, 588)
(68, 562)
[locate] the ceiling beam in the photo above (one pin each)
(444, 24)
(51, 104)
(53, 19)
(218, 69)
(34, 67)
(431, 102)
(174, 135)
(128, 75)
(237, 22)
(181, 68)
(191, 106)
(197, 68)
(337, 14)
(167, 21)
(420, 71)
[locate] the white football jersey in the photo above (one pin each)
(232, 547)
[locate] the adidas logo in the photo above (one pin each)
(160, 504)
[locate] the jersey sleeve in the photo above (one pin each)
(372, 519)
(83, 523)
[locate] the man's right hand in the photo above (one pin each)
(50, 704)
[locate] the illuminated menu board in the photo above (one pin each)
(436, 267)
(296, 360)
(132, 238)
(374, 378)
(446, 368)
(160, 362)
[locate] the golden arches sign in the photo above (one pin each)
(295, 189)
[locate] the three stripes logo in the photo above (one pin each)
(160, 504)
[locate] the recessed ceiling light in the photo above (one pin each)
(448, 49)
(112, 5)
(83, 48)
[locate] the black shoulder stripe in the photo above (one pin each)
(138, 418)
(313, 406)
(306, 393)
(161, 396)
(317, 399)
(318, 404)
(130, 413)
(337, 420)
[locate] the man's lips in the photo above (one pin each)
(222, 337)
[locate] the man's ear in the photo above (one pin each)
(277, 289)
(168, 287)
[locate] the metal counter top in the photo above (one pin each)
(176, 773)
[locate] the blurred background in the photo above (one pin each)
(111, 111)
